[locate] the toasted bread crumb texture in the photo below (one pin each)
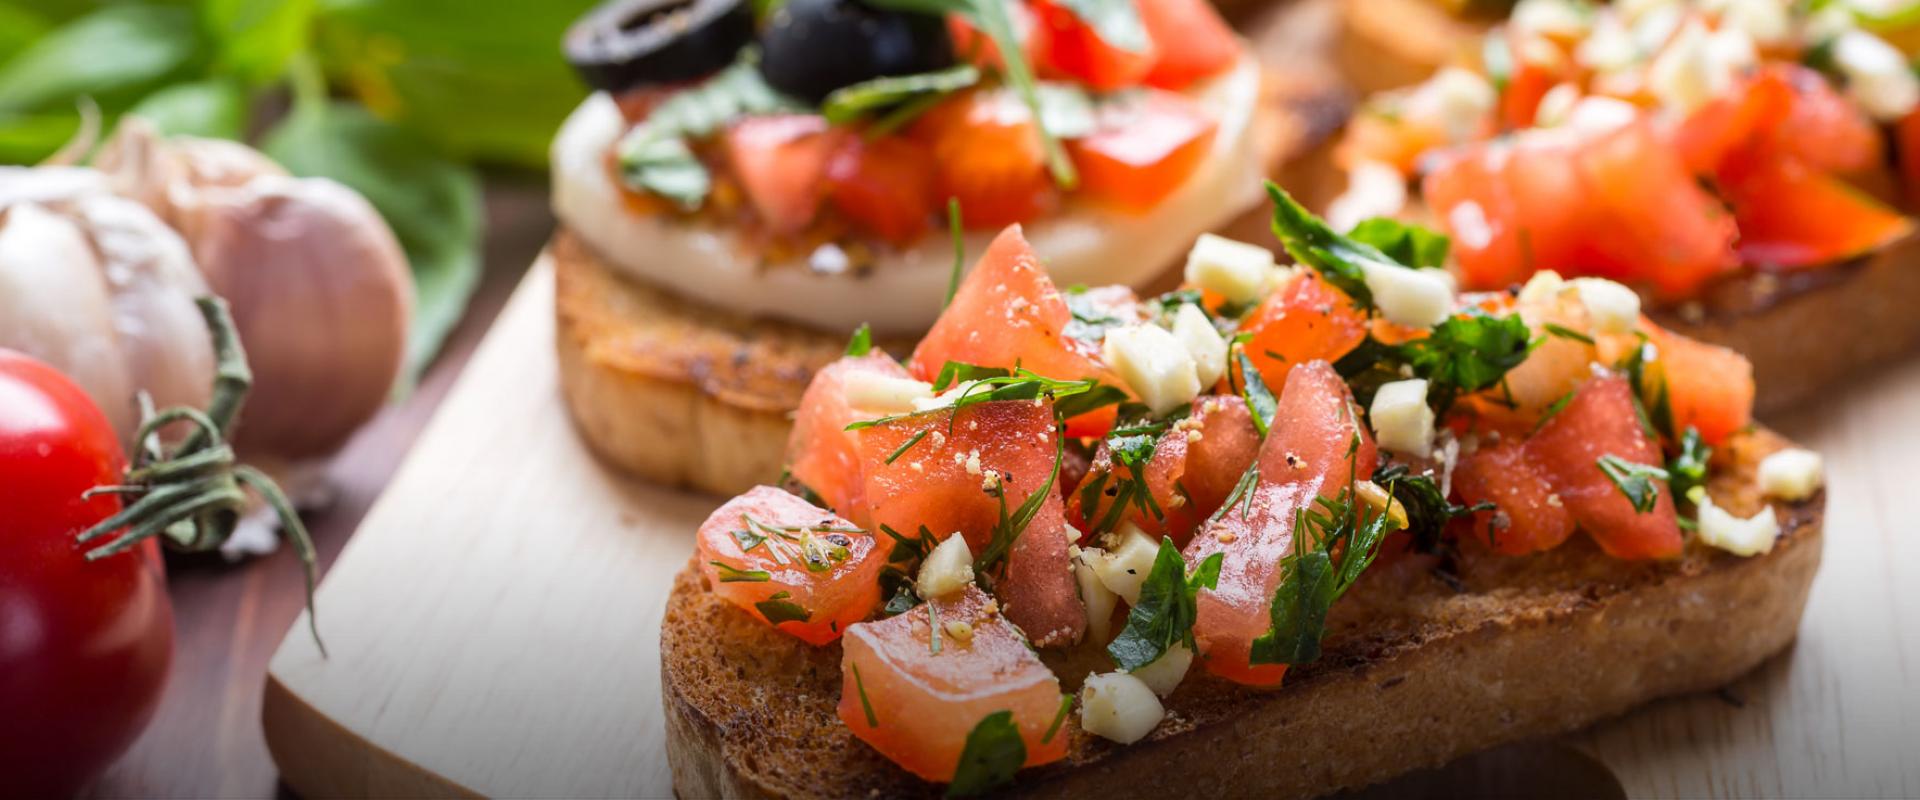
(1424, 662)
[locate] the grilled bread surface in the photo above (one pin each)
(1425, 661)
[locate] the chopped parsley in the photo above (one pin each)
(1011, 526)
(902, 449)
(1564, 332)
(1463, 355)
(1261, 404)
(865, 704)
(778, 609)
(1410, 245)
(1339, 543)
(1059, 718)
(1688, 468)
(993, 753)
(1070, 398)
(1166, 609)
(1640, 483)
(1427, 508)
(733, 574)
(1338, 259)
(1658, 417)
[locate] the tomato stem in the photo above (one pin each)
(196, 492)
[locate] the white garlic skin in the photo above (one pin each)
(323, 298)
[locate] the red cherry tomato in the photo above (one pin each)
(1070, 48)
(988, 154)
(84, 646)
(885, 186)
(1143, 150)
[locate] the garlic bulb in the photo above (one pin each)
(97, 286)
(322, 295)
(319, 286)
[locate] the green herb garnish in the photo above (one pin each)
(1640, 483)
(732, 574)
(1261, 403)
(1011, 526)
(1688, 468)
(893, 92)
(1564, 332)
(959, 251)
(778, 609)
(1339, 543)
(1406, 244)
(654, 157)
(861, 343)
(1166, 610)
(993, 753)
(902, 449)
(865, 705)
(1428, 510)
(1059, 718)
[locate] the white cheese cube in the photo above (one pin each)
(1119, 706)
(884, 394)
(1542, 288)
(948, 569)
(1596, 115)
(1878, 78)
(1610, 48)
(1792, 474)
(1402, 420)
(1556, 107)
(1699, 65)
(1767, 21)
(1125, 567)
(1165, 673)
(1419, 298)
(1098, 598)
(1373, 190)
(1455, 99)
(1203, 343)
(1232, 269)
(1741, 537)
(1611, 307)
(1154, 364)
(1560, 19)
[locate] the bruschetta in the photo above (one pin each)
(1742, 166)
(1280, 531)
(802, 173)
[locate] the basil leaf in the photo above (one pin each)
(869, 97)
(1168, 605)
(665, 167)
(1117, 22)
(212, 108)
(1299, 616)
(993, 753)
(119, 48)
(1637, 482)
(257, 38)
(654, 157)
(1337, 258)
(1411, 245)
(432, 204)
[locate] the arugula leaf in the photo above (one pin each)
(861, 343)
(1638, 482)
(778, 609)
(993, 753)
(1116, 22)
(1260, 400)
(1688, 468)
(1166, 610)
(655, 157)
(1339, 543)
(1299, 616)
(869, 97)
(733, 574)
(1337, 258)
(1412, 245)
(1466, 354)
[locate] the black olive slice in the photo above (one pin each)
(622, 44)
(811, 47)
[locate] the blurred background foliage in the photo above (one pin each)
(400, 99)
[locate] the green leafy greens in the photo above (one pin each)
(900, 97)
(655, 156)
(1339, 542)
(993, 753)
(1640, 483)
(1166, 610)
(1411, 245)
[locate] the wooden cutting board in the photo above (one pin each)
(492, 627)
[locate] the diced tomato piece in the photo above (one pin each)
(1824, 129)
(1624, 207)
(1194, 467)
(1391, 139)
(1143, 150)
(1791, 215)
(1710, 388)
(1529, 517)
(1525, 88)
(1190, 39)
(1907, 136)
(1307, 319)
(821, 453)
(972, 47)
(1600, 421)
(945, 481)
(916, 703)
(781, 162)
(987, 153)
(1728, 123)
(1072, 49)
(1304, 457)
(772, 553)
(1785, 111)
(1008, 313)
(886, 186)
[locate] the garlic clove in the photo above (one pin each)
(55, 306)
(322, 296)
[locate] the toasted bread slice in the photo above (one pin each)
(1387, 44)
(1421, 666)
(689, 394)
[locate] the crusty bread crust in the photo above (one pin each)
(1420, 668)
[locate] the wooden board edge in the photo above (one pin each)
(319, 757)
